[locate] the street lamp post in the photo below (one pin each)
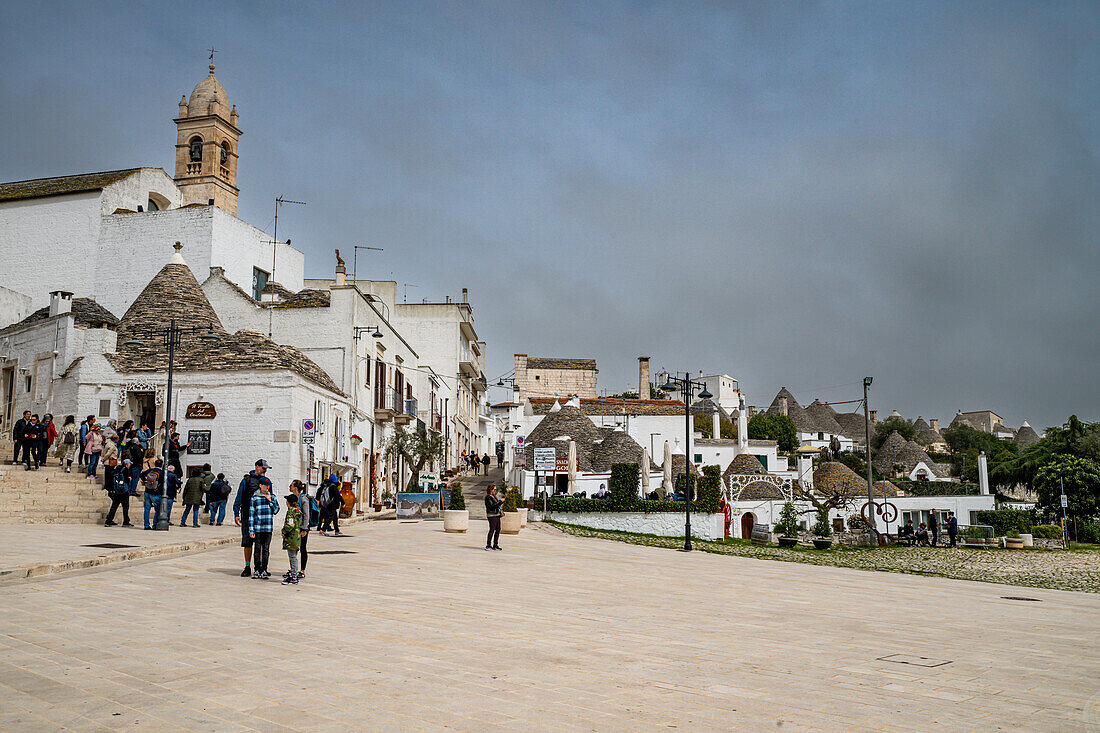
(687, 386)
(173, 336)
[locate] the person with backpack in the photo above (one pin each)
(485, 460)
(151, 485)
(66, 443)
(248, 487)
(120, 495)
(217, 495)
(328, 496)
(311, 514)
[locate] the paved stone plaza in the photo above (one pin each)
(414, 629)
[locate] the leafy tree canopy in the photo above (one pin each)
(889, 425)
(779, 428)
(1079, 477)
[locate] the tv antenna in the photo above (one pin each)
(274, 248)
(407, 286)
(355, 257)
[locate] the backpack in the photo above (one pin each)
(314, 512)
(151, 483)
(219, 490)
(121, 486)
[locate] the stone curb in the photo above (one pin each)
(123, 557)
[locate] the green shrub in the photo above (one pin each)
(709, 493)
(458, 501)
(787, 526)
(856, 523)
(1004, 521)
(511, 500)
(1047, 531)
(821, 527)
(1085, 532)
(623, 487)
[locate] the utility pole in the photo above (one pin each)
(867, 437)
(274, 249)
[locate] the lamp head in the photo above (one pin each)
(377, 333)
(670, 387)
(705, 394)
(867, 381)
(133, 342)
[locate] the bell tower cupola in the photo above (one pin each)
(206, 146)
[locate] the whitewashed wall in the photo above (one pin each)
(662, 524)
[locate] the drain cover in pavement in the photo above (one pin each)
(111, 546)
(915, 660)
(333, 552)
(1021, 598)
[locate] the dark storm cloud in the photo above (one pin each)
(793, 194)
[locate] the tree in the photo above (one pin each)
(787, 526)
(821, 527)
(416, 447)
(779, 428)
(458, 501)
(704, 423)
(889, 425)
(1079, 477)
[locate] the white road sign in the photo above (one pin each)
(545, 459)
(1065, 501)
(308, 428)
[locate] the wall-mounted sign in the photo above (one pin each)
(562, 464)
(545, 459)
(201, 411)
(200, 442)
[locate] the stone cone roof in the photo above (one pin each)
(175, 294)
(617, 447)
(803, 422)
(823, 416)
(833, 478)
(567, 420)
(852, 425)
(886, 455)
(910, 454)
(1026, 436)
(925, 435)
(761, 491)
(885, 489)
(86, 313)
(744, 463)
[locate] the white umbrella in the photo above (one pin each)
(667, 485)
(572, 467)
(645, 471)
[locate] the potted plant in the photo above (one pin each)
(387, 498)
(821, 530)
(1013, 541)
(787, 526)
(521, 506)
(510, 520)
(456, 518)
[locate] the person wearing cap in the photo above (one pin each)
(242, 504)
(120, 495)
(261, 523)
(328, 496)
(292, 536)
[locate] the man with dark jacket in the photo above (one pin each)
(952, 528)
(18, 433)
(31, 432)
(250, 485)
(934, 526)
(330, 501)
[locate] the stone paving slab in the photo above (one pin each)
(422, 630)
(39, 550)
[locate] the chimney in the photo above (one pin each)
(715, 425)
(742, 425)
(935, 423)
(643, 378)
(783, 405)
(465, 296)
(874, 416)
(61, 302)
(341, 275)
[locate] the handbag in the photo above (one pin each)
(112, 462)
(70, 438)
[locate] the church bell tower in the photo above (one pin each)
(206, 146)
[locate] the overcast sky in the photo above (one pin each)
(793, 194)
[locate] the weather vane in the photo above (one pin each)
(212, 51)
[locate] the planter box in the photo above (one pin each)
(1014, 543)
(522, 517)
(1029, 540)
(456, 520)
(510, 523)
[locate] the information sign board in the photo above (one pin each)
(545, 459)
(200, 442)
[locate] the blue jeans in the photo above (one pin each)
(168, 509)
(153, 502)
(217, 511)
(93, 461)
(187, 509)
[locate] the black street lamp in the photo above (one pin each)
(687, 386)
(173, 336)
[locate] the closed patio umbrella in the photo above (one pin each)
(645, 471)
(667, 485)
(572, 467)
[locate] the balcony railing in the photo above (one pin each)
(410, 407)
(389, 399)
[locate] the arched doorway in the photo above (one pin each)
(747, 522)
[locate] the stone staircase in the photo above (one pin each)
(49, 495)
(473, 490)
